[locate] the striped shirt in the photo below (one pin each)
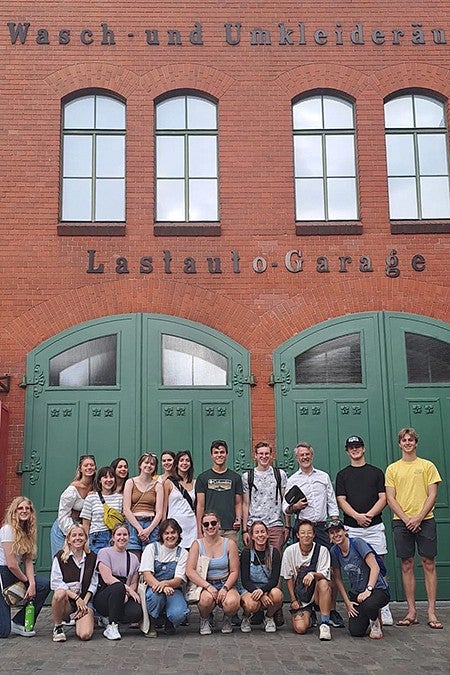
(93, 510)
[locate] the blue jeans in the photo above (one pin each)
(135, 544)
(98, 540)
(56, 538)
(42, 590)
(174, 607)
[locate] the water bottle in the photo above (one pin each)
(29, 617)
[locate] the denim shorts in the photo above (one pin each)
(135, 544)
(218, 583)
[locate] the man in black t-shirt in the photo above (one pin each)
(361, 494)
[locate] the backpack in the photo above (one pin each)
(251, 482)
(304, 594)
(378, 558)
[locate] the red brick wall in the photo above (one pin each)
(43, 282)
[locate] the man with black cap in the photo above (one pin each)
(361, 494)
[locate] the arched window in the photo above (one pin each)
(186, 160)
(324, 159)
(417, 158)
(93, 159)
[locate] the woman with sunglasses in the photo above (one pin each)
(117, 597)
(219, 587)
(260, 574)
(74, 581)
(120, 466)
(143, 503)
(71, 502)
(18, 536)
(179, 497)
(168, 464)
(92, 512)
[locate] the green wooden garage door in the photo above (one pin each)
(369, 374)
(125, 384)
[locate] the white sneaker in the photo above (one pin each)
(205, 627)
(111, 632)
(58, 634)
(20, 630)
(270, 625)
(375, 630)
(246, 626)
(324, 632)
(386, 616)
(227, 626)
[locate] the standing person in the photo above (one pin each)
(168, 464)
(120, 466)
(179, 497)
(260, 574)
(411, 487)
(74, 581)
(18, 537)
(143, 503)
(71, 502)
(164, 567)
(318, 505)
(306, 568)
(219, 587)
(92, 511)
(361, 495)
(368, 591)
(219, 489)
(117, 597)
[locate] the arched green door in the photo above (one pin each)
(369, 374)
(125, 384)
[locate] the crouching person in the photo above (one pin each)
(74, 581)
(368, 591)
(306, 568)
(163, 565)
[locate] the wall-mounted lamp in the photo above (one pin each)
(5, 384)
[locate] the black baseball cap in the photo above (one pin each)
(354, 441)
(338, 524)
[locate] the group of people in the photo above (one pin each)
(134, 550)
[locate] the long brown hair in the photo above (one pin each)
(25, 532)
(268, 549)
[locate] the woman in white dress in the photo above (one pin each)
(179, 493)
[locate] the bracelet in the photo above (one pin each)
(225, 587)
(77, 597)
(244, 531)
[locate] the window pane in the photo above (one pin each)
(79, 114)
(337, 114)
(202, 156)
(76, 199)
(435, 197)
(308, 114)
(110, 156)
(402, 198)
(170, 200)
(187, 363)
(336, 361)
(201, 114)
(309, 199)
(110, 113)
(170, 156)
(203, 199)
(432, 154)
(91, 363)
(398, 113)
(170, 114)
(110, 199)
(342, 198)
(340, 156)
(427, 359)
(308, 156)
(429, 113)
(400, 155)
(77, 156)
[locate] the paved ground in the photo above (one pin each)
(412, 650)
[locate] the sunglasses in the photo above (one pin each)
(210, 523)
(83, 457)
(149, 454)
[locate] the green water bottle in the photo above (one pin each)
(29, 617)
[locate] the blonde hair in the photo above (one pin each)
(66, 547)
(25, 532)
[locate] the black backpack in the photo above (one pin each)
(251, 482)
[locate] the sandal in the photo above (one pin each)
(435, 625)
(407, 621)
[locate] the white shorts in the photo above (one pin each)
(373, 535)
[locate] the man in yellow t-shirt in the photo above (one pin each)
(411, 489)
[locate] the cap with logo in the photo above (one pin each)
(354, 441)
(338, 524)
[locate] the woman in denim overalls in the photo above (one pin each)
(164, 567)
(260, 573)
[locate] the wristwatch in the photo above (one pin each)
(369, 588)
